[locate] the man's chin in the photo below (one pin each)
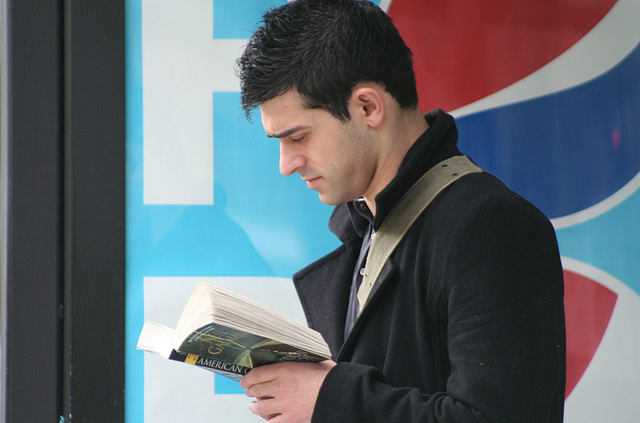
(327, 201)
(331, 200)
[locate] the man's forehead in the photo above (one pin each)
(285, 114)
(288, 100)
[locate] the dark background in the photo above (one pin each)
(63, 187)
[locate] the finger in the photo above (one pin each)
(257, 375)
(265, 408)
(259, 391)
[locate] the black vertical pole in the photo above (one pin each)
(31, 209)
(94, 232)
(62, 210)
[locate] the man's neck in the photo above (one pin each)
(398, 138)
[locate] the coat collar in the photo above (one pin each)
(434, 145)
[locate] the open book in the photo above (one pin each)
(229, 334)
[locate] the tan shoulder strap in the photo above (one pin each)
(402, 216)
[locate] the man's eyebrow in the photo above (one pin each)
(287, 132)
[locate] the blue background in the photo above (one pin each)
(564, 152)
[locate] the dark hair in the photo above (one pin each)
(323, 48)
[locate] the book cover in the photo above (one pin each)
(233, 353)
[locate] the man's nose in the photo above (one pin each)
(291, 160)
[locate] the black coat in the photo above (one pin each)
(466, 322)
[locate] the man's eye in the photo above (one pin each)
(297, 139)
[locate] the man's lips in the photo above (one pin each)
(311, 182)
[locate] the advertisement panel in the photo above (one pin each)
(546, 96)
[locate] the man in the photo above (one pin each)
(466, 321)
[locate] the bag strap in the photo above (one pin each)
(405, 212)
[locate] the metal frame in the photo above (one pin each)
(62, 210)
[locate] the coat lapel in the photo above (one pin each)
(323, 289)
(386, 276)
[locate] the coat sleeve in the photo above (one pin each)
(502, 286)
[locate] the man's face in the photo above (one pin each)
(335, 158)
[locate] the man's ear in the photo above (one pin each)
(367, 102)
